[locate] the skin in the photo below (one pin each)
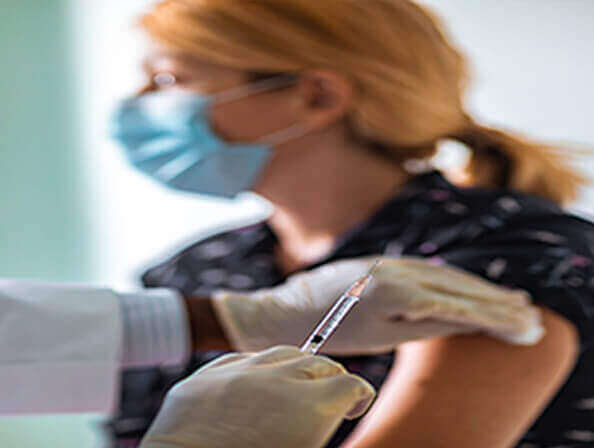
(504, 387)
(309, 207)
(488, 399)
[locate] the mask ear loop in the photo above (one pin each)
(254, 88)
(275, 138)
(279, 137)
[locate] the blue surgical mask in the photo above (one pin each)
(168, 136)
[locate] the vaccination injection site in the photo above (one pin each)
(296, 224)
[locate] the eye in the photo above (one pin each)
(164, 79)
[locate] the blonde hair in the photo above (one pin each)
(409, 80)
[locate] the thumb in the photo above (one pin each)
(348, 394)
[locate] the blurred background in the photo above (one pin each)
(72, 210)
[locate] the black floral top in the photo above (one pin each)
(509, 238)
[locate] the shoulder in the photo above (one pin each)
(457, 215)
(523, 225)
(437, 216)
(515, 216)
(513, 239)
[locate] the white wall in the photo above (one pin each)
(533, 68)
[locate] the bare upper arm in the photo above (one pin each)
(468, 391)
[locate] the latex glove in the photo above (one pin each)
(408, 299)
(277, 398)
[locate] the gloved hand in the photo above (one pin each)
(408, 299)
(277, 398)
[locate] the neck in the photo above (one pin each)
(322, 189)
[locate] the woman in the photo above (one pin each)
(325, 102)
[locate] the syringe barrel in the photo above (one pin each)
(329, 323)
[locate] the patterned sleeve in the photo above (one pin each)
(550, 256)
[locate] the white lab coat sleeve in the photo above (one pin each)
(156, 328)
(60, 348)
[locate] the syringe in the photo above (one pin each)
(337, 313)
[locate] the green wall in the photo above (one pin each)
(41, 212)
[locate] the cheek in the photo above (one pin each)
(249, 120)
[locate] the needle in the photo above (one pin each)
(338, 313)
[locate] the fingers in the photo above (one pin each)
(450, 280)
(223, 360)
(338, 390)
(350, 392)
(337, 386)
(287, 361)
(433, 312)
(429, 328)
(310, 367)
(419, 299)
(323, 383)
(275, 355)
(365, 394)
(476, 288)
(270, 356)
(290, 362)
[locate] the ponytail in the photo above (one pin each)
(409, 80)
(500, 159)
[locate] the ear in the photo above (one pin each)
(325, 96)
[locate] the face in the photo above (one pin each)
(317, 100)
